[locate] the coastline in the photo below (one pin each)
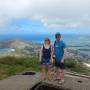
(25, 48)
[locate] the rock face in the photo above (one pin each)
(19, 44)
(19, 47)
(16, 43)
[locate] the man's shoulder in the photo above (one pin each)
(63, 41)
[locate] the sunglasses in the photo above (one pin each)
(46, 40)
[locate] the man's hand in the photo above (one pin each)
(62, 61)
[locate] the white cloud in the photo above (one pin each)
(53, 13)
(67, 25)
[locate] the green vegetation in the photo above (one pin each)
(11, 65)
(15, 65)
(76, 66)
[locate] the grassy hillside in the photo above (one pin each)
(15, 65)
(76, 66)
(11, 65)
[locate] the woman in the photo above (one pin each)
(46, 59)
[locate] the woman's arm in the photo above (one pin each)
(40, 54)
(52, 53)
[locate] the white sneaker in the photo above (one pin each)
(61, 81)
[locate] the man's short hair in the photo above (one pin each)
(58, 35)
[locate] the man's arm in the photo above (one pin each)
(64, 55)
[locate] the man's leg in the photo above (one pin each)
(58, 73)
(61, 76)
(61, 73)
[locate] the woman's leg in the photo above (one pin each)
(49, 71)
(43, 70)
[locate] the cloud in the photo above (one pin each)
(52, 13)
(61, 23)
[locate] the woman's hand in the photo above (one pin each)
(40, 60)
(51, 61)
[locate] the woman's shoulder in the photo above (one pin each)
(42, 46)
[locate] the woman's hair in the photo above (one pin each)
(57, 35)
(47, 39)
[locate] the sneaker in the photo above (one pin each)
(61, 81)
(49, 79)
(57, 79)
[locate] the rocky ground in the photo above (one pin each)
(27, 82)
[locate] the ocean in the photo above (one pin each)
(74, 42)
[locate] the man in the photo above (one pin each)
(60, 52)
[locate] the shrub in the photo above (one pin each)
(76, 66)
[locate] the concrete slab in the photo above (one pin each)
(19, 82)
(72, 83)
(25, 82)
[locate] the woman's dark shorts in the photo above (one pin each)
(45, 62)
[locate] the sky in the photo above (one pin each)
(44, 16)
